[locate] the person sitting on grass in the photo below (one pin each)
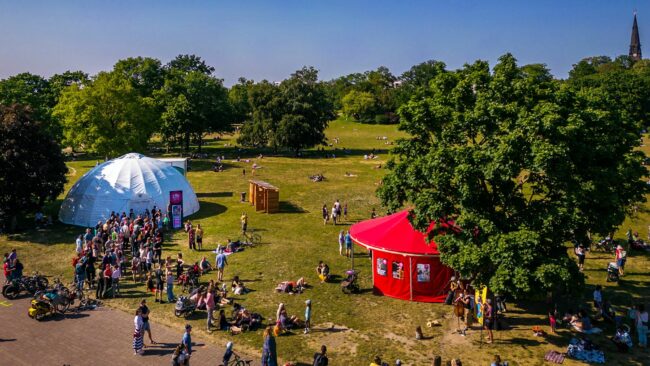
(224, 324)
(238, 287)
(622, 338)
(323, 271)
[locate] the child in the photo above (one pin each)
(553, 321)
(307, 315)
(150, 284)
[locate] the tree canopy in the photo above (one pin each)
(293, 115)
(33, 168)
(108, 116)
(522, 164)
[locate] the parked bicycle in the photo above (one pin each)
(250, 238)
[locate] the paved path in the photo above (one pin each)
(97, 337)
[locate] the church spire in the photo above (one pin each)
(635, 42)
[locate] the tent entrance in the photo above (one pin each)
(140, 204)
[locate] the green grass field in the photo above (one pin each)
(354, 327)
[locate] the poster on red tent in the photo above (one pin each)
(176, 201)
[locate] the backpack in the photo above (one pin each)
(320, 360)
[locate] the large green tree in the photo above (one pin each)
(522, 164)
(107, 116)
(293, 115)
(360, 105)
(33, 168)
(33, 91)
(193, 102)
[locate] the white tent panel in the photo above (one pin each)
(132, 181)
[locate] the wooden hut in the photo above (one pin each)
(264, 196)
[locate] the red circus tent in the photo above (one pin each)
(405, 266)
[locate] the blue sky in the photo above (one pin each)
(270, 39)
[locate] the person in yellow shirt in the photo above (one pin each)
(376, 362)
(244, 222)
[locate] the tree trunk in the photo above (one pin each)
(200, 141)
(187, 142)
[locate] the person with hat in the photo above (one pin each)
(307, 315)
(187, 339)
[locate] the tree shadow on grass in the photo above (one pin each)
(208, 209)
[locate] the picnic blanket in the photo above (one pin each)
(554, 356)
(586, 351)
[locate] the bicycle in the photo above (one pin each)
(238, 362)
(250, 238)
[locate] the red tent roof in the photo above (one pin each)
(393, 233)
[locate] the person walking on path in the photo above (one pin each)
(341, 242)
(642, 325)
(326, 214)
(348, 244)
(187, 339)
(221, 262)
(320, 359)
(138, 333)
(199, 236)
(209, 305)
(170, 286)
(307, 315)
(191, 237)
(269, 354)
(146, 326)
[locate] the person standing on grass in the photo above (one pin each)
(581, 253)
(99, 274)
(244, 222)
(345, 211)
(334, 216)
(221, 262)
(209, 305)
(598, 298)
(642, 325)
(79, 244)
(144, 312)
(108, 279)
(158, 277)
(170, 286)
(326, 214)
(115, 281)
(269, 354)
(341, 242)
(487, 319)
(348, 244)
(307, 315)
(621, 257)
(191, 237)
(199, 236)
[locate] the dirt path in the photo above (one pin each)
(98, 337)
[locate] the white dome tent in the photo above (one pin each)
(132, 181)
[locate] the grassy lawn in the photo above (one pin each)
(356, 327)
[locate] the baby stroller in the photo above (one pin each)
(184, 306)
(612, 272)
(350, 285)
(189, 279)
